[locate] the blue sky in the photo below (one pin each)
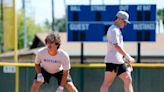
(40, 10)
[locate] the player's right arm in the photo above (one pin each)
(124, 53)
(115, 40)
(40, 77)
(37, 68)
(37, 64)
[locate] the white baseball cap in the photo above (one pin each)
(123, 15)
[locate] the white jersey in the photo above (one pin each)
(114, 36)
(53, 64)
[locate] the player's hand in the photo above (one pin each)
(60, 89)
(129, 67)
(129, 58)
(40, 77)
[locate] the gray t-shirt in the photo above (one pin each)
(114, 36)
(53, 64)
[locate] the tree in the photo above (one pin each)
(59, 25)
(161, 14)
(32, 29)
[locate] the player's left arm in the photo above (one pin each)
(66, 67)
(63, 81)
(64, 77)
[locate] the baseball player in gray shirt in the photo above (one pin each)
(115, 64)
(52, 61)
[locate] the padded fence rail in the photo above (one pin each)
(141, 65)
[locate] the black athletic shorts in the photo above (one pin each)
(57, 75)
(118, 68)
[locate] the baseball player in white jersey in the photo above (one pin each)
(115, 64)
(52, 61)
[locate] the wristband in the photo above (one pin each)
(39, 74)
(61, 87)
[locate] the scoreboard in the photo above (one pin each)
(91, 22)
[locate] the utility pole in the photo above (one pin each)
(25, 27)
(53, 18)
(1, 42)
(119, 2)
